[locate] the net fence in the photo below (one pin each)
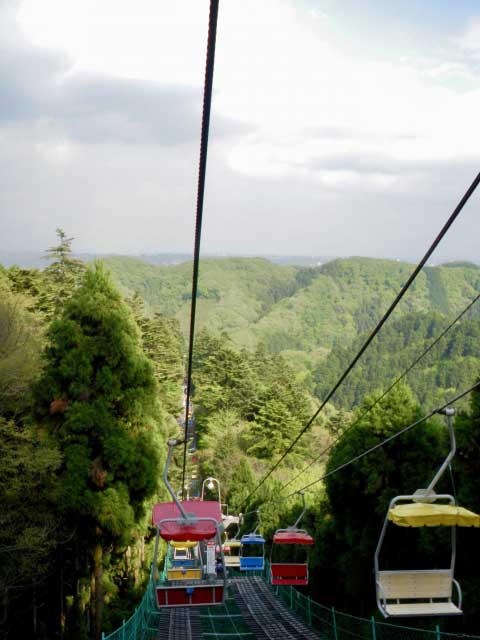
(226, 622)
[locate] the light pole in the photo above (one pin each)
(210, 482)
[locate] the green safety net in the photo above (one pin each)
(143, 624)
(224, 622)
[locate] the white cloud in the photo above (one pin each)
(150, 40)
(470, 40)
(330, 127)
(281, 69)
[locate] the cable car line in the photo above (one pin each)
(386, 441)
(207, 103)
(387, 391)
(380, 324)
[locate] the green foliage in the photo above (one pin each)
(468, 430)
(223, 456)
(467, 480)
(28, 522)
(269, 405)
(98, 395)
(98, 398)
(21, 336)
(307, 311)
(234, 292)
(241, 483)
(450, 366)
(61, 276)
(357, 498)
(30, 282)
(273, 428)
(163, 344)
(48, 290)
(337, 423)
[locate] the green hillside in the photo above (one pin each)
(317, 318)
(234, 293)
(292, 308)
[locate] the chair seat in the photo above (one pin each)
(423, 609)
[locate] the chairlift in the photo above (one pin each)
(426, 592)
(232, 547)
(231, 551)
(189, 525)
(252, 549)
(294, 572)
(183, 560)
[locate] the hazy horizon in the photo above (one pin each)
(38, 259)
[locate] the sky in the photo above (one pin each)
(338, 127)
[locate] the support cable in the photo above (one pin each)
(389, 311)
(207, 102)
(382, 396)
(386, 441)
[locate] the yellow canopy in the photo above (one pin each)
(421, 514)
(183, 544)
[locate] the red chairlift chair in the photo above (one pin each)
(294, 572)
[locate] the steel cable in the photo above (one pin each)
(207, 103)
(380, 324)
(387, 391)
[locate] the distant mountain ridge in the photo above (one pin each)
(295, 308)
(37, 260)
(319, 316)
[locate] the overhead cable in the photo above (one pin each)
(207, 102)
(386, 441)
(385, 317)
(382, 396)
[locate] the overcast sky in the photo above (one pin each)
(339, 127)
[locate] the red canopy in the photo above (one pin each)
(292, 537)
(184, 530)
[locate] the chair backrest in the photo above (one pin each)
(414, 585)
(292, 570)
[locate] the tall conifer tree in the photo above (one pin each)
(98, 396)
(62, 275)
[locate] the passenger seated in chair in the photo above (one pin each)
(219, 567)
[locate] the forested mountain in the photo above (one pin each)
(318, 317)
(233, 293)
(452, 364)
(288, 307)
(91, 386)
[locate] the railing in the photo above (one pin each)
(328, 622)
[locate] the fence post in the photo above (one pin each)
(291, 597)
(135, 624)
(103, 635)
(437, 632)
(309, 610)
(374, 630)
(123, 630)
(334, 621)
